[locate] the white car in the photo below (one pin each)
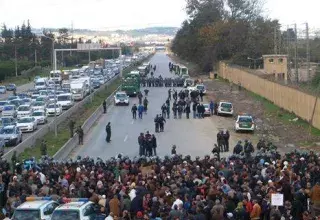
(207, 110)
(27, 101)
(24, 111)
(244, 122)
(121, 98)
(27, 124)
(225, 108)
(201, 87)
(53, 109)
(40, 116)
(38, 105)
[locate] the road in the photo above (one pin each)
(193, 137)
(20, 89)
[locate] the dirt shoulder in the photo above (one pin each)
(283, 129)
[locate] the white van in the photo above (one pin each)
(41, 83)
(65, 100)
(56, 76)
(78, 90)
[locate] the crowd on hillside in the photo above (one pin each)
(175, 187)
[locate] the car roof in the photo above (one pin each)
(225, 102)
(63, 94)
(73, 205)
(10, 105)
(33, 204)
(24, 106)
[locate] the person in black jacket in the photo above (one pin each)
(108, 130)
(141, 143)
(194, 109)
(187, 109)
(134, 110)
(154, 144)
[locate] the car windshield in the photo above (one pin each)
(226, 105)
(64, 98)
(39, 83)
(6, 131)
(24, 108)
(245, 119)
(38, 104)
(13, 97)
(37, 113)
(121, 96)
(200, 87)
(65, 215)
(6, 120)
(53, 106)
(8, 108)
(40, 98)
(2, 87)
(25, 120)
(3, 103)
(25, 214)
(26, 100)
(206, 105)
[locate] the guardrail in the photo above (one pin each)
(30, 141)
(72, 143)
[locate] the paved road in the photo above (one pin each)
(192, 136)
(20, 89)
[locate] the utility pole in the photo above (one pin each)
(16, 59)
(71, 37)
(308, 52)
(35, 57)
(296, 53)
(275, 40)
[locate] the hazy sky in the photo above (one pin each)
(125, 14)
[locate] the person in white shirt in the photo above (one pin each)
(178, 202)
(109, 217)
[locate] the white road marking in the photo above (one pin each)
(126, 138)
(132, 122)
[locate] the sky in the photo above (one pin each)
(129, 14)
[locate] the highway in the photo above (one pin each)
(20, 89)
(193, 137)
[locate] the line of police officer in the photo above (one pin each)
(147, 144)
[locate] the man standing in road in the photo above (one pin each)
(154, 144)
(104, 105)
(134, 110)
(141, 143)
(140, 110)
(211, 107)
(156, 123)
(108, 130)
(201, 95)
(226, 137)
(161, 123)
(71, 127)
(187, 109)
(194, 109)
(80, 133)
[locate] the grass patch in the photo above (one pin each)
(21, 80)
(283, 115)
(55, 143)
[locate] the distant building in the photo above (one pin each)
(276, 65)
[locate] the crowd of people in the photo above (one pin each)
(239, 187)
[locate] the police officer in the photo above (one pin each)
(108, 130)
(145, 104)
(168, 110)
(43, 148)
(148, 145)
(134, 110)
(180, 110)
(140, 97)
(161, 123)
(238, 148)
(175, 110)
(146, 91)
(157, 123)
(194, 109)
(187, 109)
(226, 137)
(80, 133)
(220, 141)
(141, 143)
(154, 144)
(169, 94)
(164, 109)
(201, 95)
(104, 105)
(173, 150)
(248, 148)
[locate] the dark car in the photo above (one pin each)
(11, 87)
(96, 84)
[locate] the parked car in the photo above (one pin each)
(11, 87)
(3, 89)
(40, 116)
(6, 121)
(2, 104)
(11, 134)
(52, 108)
(9, 111)
(24, 111)
(38, 106)
(27, 124)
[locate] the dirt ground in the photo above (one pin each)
(272, 123)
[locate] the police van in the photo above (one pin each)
(75, 209)
(35, 208)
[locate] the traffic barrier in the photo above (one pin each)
(31, 141)
(72, 143)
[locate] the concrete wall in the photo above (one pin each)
(301, 104)
(64, 151)
(31, 141)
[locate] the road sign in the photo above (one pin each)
(88, 46)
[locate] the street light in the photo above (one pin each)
(90, 47)
(54, 67)
(254, 61)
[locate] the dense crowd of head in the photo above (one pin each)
(175, 186)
